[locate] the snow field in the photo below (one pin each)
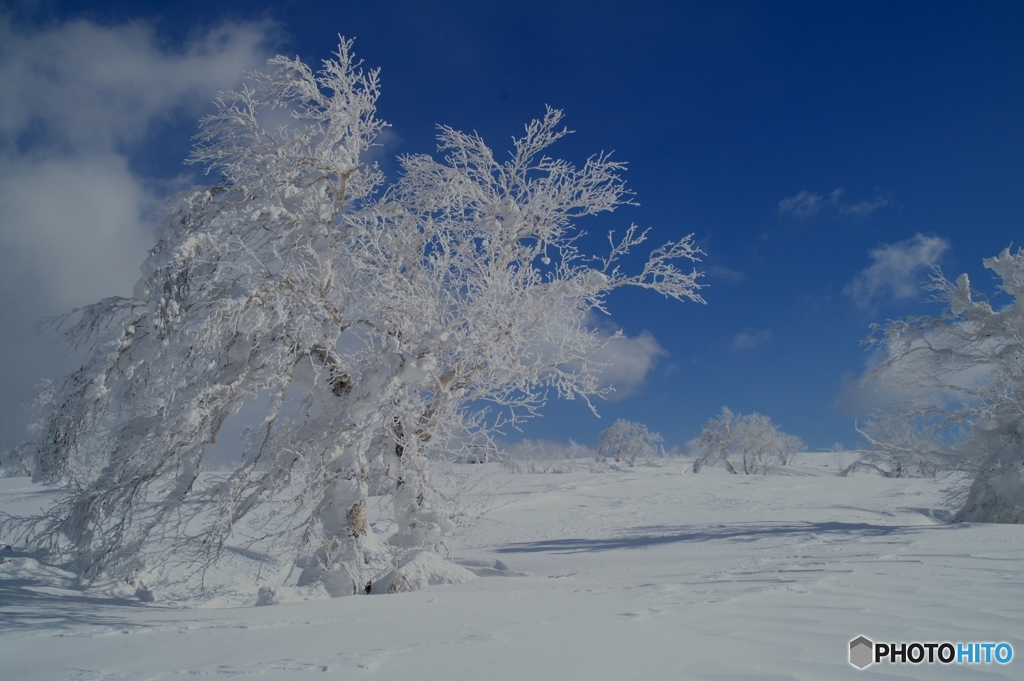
(646, 572)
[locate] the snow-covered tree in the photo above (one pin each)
(626, 441)
(898, 448)
(479, 288)
(245, 294)
(753, 438)
(961, 378)
(375, 327)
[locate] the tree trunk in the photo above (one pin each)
(350, 557)
(419, 525)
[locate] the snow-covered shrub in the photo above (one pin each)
(373, 324)
(626, 441)
(961, 378)
(753, 439)
(535, 456)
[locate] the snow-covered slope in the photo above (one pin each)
(648, 572)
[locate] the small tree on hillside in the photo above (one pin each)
(753, 439)
(626, 441)
(374, 325)
(961, 375)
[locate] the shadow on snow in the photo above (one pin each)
(48, 601)
(641, 537)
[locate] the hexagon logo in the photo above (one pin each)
(861, 652)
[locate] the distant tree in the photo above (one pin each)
(961, 377)
(373, 324)
(753, 439)
(626, 441)
(531, 456)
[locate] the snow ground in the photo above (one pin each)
(650, 573)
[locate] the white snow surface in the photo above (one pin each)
(649, 572)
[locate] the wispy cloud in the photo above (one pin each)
(804, 206)
(896, 270)
(725, 275)
(749, 339)
(861, 209)
(808, 205)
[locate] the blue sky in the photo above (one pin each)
(823, 154)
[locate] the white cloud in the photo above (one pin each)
(749, 339)
(896, 270)
(628, 361)
(77, 101)
(72, 224)
(86, 87)
(807, 205)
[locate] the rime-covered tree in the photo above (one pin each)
(373, 324)
(475, 270)
(751, 438)
(626, 441)
(961, 380)
(246, 293)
